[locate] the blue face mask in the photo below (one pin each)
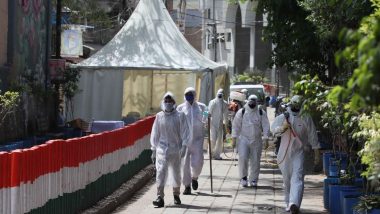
(189, 97)
(252, 104)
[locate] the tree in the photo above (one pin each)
(330, 17)
(296, 44)
(361, 93)
(305, 33)
(8, 103)
(362, 90)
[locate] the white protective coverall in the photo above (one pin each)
(218, 109)
(291, 153)
(194, 157)
(170, 132)
(249, 129)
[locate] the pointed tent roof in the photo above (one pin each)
(150, 40)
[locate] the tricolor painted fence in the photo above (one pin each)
(66, 176)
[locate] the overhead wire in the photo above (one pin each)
(215, 20)
(201, 17)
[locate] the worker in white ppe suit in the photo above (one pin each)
(218, 109)
(169, 138)
(250, 127)
(194, 157)
(297, 133)
(245, 91)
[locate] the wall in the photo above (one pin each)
(194, 37)
(263, 48)
(27, 57)
(3, 31)
(238, 52)
(30, 38)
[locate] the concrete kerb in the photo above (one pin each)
(124, 193)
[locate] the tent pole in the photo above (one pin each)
(212, 84)
(166, 83)
(151, 92)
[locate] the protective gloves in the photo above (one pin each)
(183, 151)
(234, 145)
(286, 114)
(153, 157)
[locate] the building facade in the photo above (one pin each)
(3, 32)
(238, 35)
(24, 56)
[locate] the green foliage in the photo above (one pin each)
(368, 23)
(370, 154)
(88, 10)
(367, 203)
(8, 103)
(297, 46)
(70, 88)
(362, 90)
(313, 93)
(361, 93)
(347, 179)
(70, 82)
(32, 85)
(330, 17)
(254, 77)
(236, 1)
(330, 116)
(305, 33)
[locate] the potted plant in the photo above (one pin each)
(368, 204)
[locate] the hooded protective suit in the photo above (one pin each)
(249, 129)
(170, 132)
(218, 108)
(297, 134)
(194, 157)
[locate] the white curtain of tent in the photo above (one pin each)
(100, 95)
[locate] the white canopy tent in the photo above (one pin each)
(146, 58)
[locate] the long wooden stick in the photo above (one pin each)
(209, 151)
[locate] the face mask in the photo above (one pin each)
(252, 106)
(294, 109)
(220, 96)
(169, 107)
(189, 97)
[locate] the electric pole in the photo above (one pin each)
(214, 30)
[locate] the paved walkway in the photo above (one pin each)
(228, 196)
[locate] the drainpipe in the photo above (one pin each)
(11, 32)
(48, 39)
(58, 30)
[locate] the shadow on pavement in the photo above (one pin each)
(268, 188)
(216, 195)
(268, 208)
(188, 206)
(270, 171)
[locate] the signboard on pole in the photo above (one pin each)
(56, 67)
(71, 43)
